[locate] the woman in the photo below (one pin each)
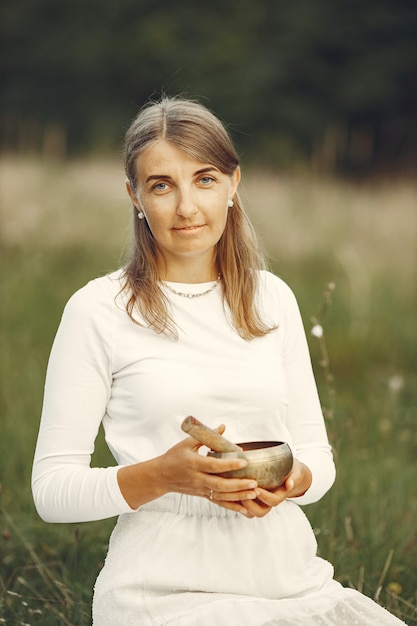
(192, 325)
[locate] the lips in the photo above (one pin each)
(189, 228)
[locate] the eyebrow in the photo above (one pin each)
(204, 170)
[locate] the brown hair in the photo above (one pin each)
(194, 129)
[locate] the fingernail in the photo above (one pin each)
(251, 496)
(243, 463)
(244, 511)
(253, 484)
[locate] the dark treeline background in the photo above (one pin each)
(332, 83)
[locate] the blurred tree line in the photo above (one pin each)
(329, 82)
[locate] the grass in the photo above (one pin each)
(63, 224)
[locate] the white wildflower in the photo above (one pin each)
(317, 331)
(396, 383)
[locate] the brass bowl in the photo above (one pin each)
(269, 462)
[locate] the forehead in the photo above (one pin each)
(163, 157)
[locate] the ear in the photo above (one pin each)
(235, 180)
(131, 193)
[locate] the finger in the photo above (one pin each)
(213, 465)
(234, 496)
(289, 484)
(230, 485)
(256, 508)
(190, 443)
(271, 498)
(235, 506)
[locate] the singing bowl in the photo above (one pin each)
(269, 462)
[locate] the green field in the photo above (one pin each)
(64, 224)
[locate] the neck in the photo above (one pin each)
(191, 272)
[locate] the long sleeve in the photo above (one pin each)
(305, 417)
(78, 382)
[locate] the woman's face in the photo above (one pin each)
(185, 203)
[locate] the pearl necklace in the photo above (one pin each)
(193, 295)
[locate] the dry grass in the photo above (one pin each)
(365, 231)
(82, 202)
(367, 227)
(295, 215)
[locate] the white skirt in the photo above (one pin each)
(183, 561)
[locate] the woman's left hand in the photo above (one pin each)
(296, 484)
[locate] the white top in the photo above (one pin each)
(106, 369)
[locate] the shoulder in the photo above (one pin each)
(98, 294)
(102, 288)
(277, 300)
(273, 286)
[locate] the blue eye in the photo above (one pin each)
(160, 186)
(206, 180)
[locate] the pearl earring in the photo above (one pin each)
(141, 215)
(230, 204)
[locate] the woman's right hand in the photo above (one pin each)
(181, 469)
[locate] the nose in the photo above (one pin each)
(186, 206)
